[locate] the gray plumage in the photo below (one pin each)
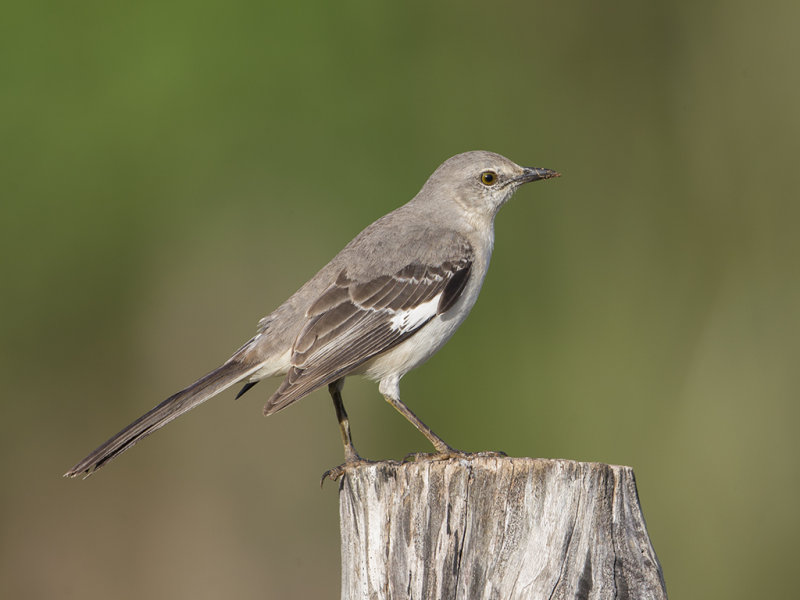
(382, 306)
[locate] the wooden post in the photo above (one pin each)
(495, 528)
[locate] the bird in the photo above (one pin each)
(388, 301)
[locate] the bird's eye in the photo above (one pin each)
(488, 178)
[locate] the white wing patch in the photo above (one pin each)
(408, 320)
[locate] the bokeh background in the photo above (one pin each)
(171, 171)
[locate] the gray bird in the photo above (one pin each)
(384, 305)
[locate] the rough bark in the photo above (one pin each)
(495, 528)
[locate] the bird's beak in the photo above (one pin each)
(535, 174)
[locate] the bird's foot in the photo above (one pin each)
(451, 453)
(337, 472)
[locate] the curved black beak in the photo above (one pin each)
(536, 173)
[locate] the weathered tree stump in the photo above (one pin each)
(495, 528)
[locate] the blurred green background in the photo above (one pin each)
(170, 172)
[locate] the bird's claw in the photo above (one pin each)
(337, 472)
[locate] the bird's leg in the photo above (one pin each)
(335, 389)
(441, 446)
(351, 457)
(390, 389)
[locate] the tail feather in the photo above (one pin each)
(171, 408)
(245, 389)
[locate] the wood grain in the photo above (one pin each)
(495, 528)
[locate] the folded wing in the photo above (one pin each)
(353, 321)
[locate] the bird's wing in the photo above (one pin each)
(353, 321)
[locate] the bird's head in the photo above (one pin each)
(480, 182)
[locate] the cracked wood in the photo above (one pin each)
(495, 528)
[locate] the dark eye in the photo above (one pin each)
(488, 178)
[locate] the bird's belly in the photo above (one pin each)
(411, 353)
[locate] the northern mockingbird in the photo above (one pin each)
(390, 299)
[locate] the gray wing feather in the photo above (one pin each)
(351, 322)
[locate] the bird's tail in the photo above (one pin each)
(201, 390)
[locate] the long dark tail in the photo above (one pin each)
(171, 408)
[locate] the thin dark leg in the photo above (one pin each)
(443, 449)
(441, 446)
(335, 389)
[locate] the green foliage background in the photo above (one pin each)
(171, 171)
